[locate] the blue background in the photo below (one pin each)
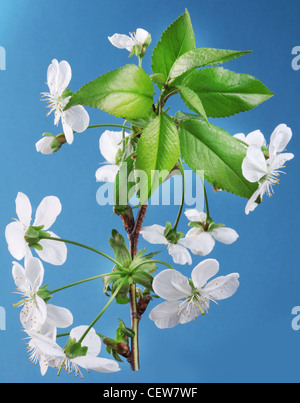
(247, 338)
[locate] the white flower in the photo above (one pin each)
(45, 350)
(35, 313)
(53, 252)
(179, 251)
(110, 143)
(186, 301)
(256, 168)
(128, 42)
(255, 138)
(74, 119)
(207, 237)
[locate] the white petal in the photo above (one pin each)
(110, 143)
(254, 166)
(18, 273)
(68, 132)
(23, 209)
(141, 35)
(225, 235)
(34, 273)
(195, 215)
(98, 364)
(47, 212)
(171, 285)
(279, 161)
(203, 242)
(180, 254)
(91, 340)
(44, 145)
(166, 315)
(280, 139)
(33, 314)
(52, 76)
(223, 287)
(59, 317)
(64, 76)
(256, 138)
(77, 118)
(154, 234)
(240, 136)
(46, 345)
(48, 330)
(107, 173)
(59, 76)
(54, 252)
(204, 271)
(14, 234)
(121, 41)
(251, 205)
(189, 311)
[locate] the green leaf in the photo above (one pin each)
(143, 278)
(192, 101)
(120, 249)
(196, 58)
(125, 93)
(224, 92)
(178, 39)
(148, 267)
(158, 78)
(158, 151)
(215, 152)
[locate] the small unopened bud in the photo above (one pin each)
(143, 304)
(123, 349)
(50, 144)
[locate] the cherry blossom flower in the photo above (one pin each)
(256, 168)
(45, 350)
(155, 234)
(53, 252)
(187, 299)
(35, 313)
(206, 234)
(128, 42)
(74, 119)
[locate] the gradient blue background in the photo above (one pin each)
(247, 338)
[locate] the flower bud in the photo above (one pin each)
(50, 144)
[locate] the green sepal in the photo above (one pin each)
(195, 224)
(74, 349)
(44, 293)
(67, 93)
(123, 332)
(213, 226)
(116, 356)
(143, 278)
(172, 235)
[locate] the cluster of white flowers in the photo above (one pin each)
(39, 319)
(186, 299)
(76, 118)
